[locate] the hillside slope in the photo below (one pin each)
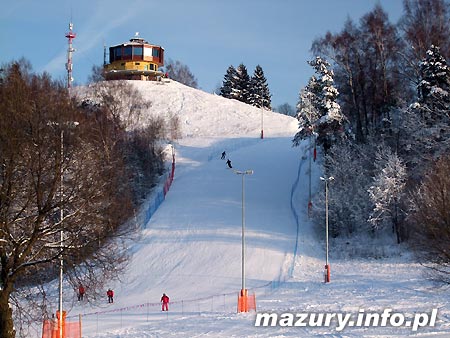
(191, 248)
(203, 114)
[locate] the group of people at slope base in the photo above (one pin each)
(110, 294)
(224, 154)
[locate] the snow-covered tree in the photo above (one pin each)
(323, 113)
(434, 87)
(241, 88)
(228, 82)
(387, 191)
(426, 123)
(259, 90)
(307, 113)
(349, 163)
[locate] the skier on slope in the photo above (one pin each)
(81, 292)
(165, 302)
(110, 294)
(229, 164)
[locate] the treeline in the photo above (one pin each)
(85, 159)
(389, 150)
(237, 84)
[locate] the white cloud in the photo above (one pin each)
(91, 34)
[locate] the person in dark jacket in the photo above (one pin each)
(165, 302)
(229, 164)
(223, 155)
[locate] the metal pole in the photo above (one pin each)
(242, 307)
(310, 155)
(326, 220)
(327, 266)
(243, 233)
(61, 261)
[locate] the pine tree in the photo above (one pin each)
(325, 113)
(434, 86)
(259, 90)
(307, 114)
(427, 122)
(241, 88)
(228, 82)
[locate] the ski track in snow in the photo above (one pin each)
(191, 247)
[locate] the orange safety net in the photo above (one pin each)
(246, 302)
(50, 328)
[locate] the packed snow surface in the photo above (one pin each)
(191, 248)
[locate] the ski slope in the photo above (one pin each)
(191, 248)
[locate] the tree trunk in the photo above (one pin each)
(6, 319)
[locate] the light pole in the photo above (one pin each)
(244, 307)
(327, 266)
(61, 213)
(61, 259)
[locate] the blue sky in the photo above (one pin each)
(206, 35)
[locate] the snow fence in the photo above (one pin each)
(160, 194)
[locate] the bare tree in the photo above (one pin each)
(430, 218)
(45, 140)
(181, 73)
(366, 61)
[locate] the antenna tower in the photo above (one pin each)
(70, 36)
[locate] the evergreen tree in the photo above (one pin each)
(228, 83)
(434, 86)
(426, 123)
(325, 116)
(259, 90)
(307, 113)
(241, 88)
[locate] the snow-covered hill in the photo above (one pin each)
(202, 114)
(191, 247)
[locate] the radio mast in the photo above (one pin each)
(70, 36)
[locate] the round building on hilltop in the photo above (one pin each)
(135, 60)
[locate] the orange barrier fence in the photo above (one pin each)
(246, 302)
(51, 328)
(100, 321)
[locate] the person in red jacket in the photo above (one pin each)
(80, 292)
(110, 294)
(165, 302)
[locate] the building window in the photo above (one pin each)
(115, 54)
(127, 52)
(152, 66)
(155, 52)
(137, 63)
(138, 51)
